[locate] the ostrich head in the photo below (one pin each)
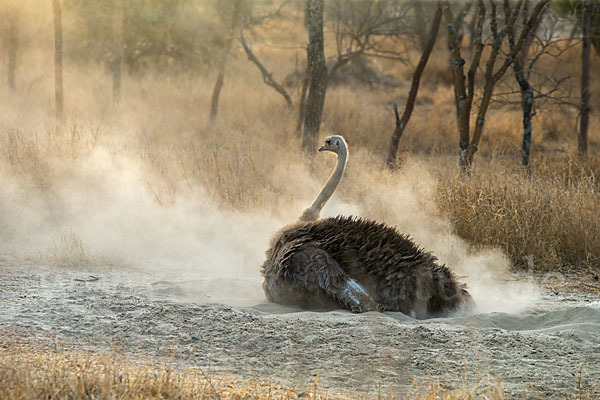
(333, 143)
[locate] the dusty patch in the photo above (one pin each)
(137, 315)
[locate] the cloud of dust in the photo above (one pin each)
(408, 198)
(108, 203)
(110, 207)
(104, 209)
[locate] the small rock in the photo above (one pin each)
(196, 337)
(302, 394)
(90, 278)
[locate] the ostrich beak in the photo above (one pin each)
(322, 148)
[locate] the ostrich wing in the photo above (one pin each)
(310, 267)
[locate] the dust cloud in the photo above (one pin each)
(105, 212)
(408, 201)
(93, 196)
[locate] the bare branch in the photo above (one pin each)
(531, 22)
(491, 77)
(266, 75)
(367, 31)
(586, 25)
(459, 76)
(414, 88)
(260, 19)
(478, 43)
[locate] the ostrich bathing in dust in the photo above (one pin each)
(355, 263)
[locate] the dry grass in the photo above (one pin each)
(29, 373)
(32, 370)
(549, 217)
(249, 159)
(45, 370)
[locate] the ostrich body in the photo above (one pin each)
(356, 263)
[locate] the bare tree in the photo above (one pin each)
(527, 93)
(117, 43)
(235, 16)
(58, 61)
(414, 88)
(317, 70)
(13, 45)
(536, 86)
(302, 101)
(582, 137)
(362, 29)
(266, 74)
(371, 29)
(464, 91)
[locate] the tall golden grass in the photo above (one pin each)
(549, 213)
(31, 371)
(27, 372)
(250, 158)
(546, 217)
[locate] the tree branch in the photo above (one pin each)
(414, 88)
(266, 75)
(478, 42)
(459, 76)
(531, 22)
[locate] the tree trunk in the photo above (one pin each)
(582, 142)
(214, 104)
(527, 107)
(492, 78)
(317, 70)
(595, 26)
(117, 37)
(13, 45)
(420, 27)
(302, 102)
(267, 76)
(58, 61)
(477, 41)
(527, 95)
(464, 95)
(414, 88)
(460, 92)
(455, 36)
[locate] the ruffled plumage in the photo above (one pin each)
(361, 265)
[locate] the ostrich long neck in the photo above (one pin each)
(312, 213)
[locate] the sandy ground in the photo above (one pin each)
(142, 315)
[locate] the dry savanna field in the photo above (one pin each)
(151, 185)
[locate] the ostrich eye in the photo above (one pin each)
(328, 141)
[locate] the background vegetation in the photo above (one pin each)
(248, 160)
(247, 157)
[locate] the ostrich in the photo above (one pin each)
(356, 263)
